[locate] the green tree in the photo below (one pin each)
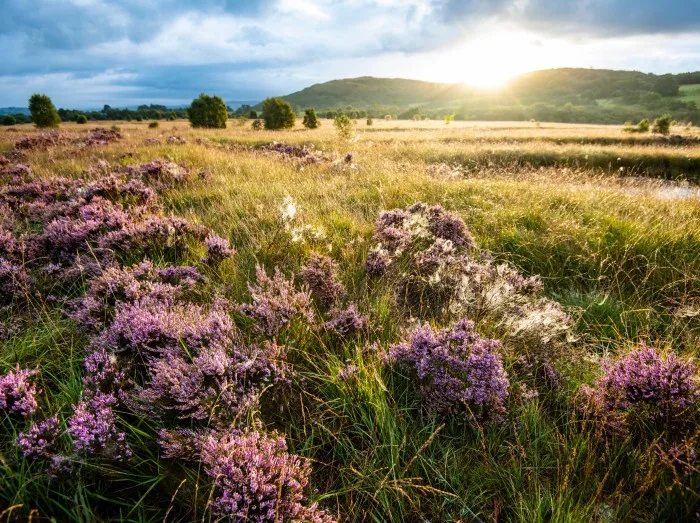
(310, 119)
(8, 119)
(81, 119)
(208, 111)
(44, 113)
(662, 125)
(343, 126)
(253, 115)
(278, 114)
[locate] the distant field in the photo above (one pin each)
(691, 93)
(609, 221)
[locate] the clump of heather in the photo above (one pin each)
(42, 141)
(644, 392)
(346, 322)
(348, 372)
(102, 136)
(94, 430)
(18, 392)
(218, 249)
(13, 281)
(456, 371)
(18, 171)
(256, 479)
(300, 154)
(160, 174)
(276, 303)
(155, 233)
(41, 440)
(320, 274)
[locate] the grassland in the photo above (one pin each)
(610, 222)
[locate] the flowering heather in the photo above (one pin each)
(102, 136)
(158, 233)
(42, 141)
(41, 440)
(18, 171)
(176, 140)
(455, 368)
(102, 373)
(117, 188)
(218, 249)
(320, 273)
(346, 322)
(183, 275)
(94, 431)
(645, 391)
(13, 282)
(160, 174)
(348, 372)
(18, 392)
(256, 479)
(152, 141)
(301, 154)
(276, 303)
(377, 262)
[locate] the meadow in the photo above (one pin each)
(609, 223)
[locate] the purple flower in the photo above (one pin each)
(346, 322)
(320, 273)
(347, 372)
(455, 368)
(256, 479)
(18, 393)
(41, 440)
(276, 303)
(94, 431)
(218, 249)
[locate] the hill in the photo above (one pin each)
(567, 94)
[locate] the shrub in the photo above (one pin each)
(370, 121)
(662, 125)
(310, 119)
(43, 112)
(343, 126)
(208, 111)
(320, 273)
(8, 119)
(388, 117)
(253, 115)
(449, 118)
(455, 368)
(257, 125)
(153, 125)
(278, 114)
(18, 392)
(641, 127)
(81, 119)
(644, 392)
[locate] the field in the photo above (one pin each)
(609, 221)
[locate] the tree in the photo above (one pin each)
(8, 119)
(208, 111)
(343, 125)
(662, 125)
(81, 119)
(253, 115)
(666, 85)
(278, 114)
(310, 119)
(44, 113)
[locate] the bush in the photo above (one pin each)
(449, 118)
(44, 113)
(257, 125)
(153, 125)
(81, 119)
(310, 119)
(278, 114)
(343, 125)
(253, 115)
(388, 117)
(662, 125)
(9, 120)
(370, 121)
(208, 111)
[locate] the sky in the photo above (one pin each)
(86, 53)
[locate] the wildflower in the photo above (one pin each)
(455, 368)
(218, 249)
(288, 209)
(320, 273)
(41, 440)
(18, 393)
(347, 372)
(256, 479)
(94, 430)
(346, 322)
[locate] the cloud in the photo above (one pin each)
(174, 49)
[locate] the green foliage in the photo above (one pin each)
(343, 126)
(208, 112)
(43, 112)
(310, 119)
(370, 121)
(641, 127)
(253, 115)
(449, 118)
(278, 114)
(662, 125)
(8, 119)
(81, 119)
(153, 125)
(257, 125)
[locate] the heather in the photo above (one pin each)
(214, 328)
